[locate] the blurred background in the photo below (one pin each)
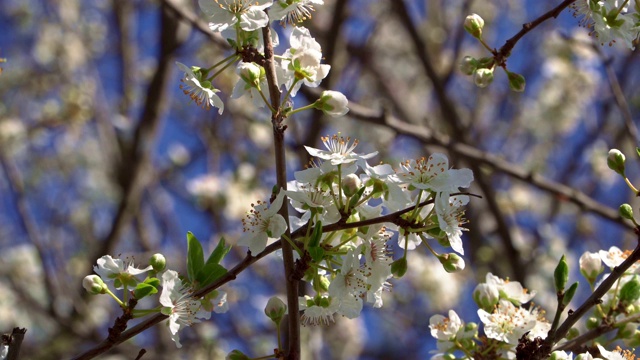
(101, 153)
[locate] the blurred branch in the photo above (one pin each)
(136, 169)
(449, 112)
(182, 12)
(619, 97)
(16, 187)
(561, 191)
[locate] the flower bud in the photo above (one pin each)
(572, 334)
(275, 309)
(516, 81)
(561, 274)
(321, 284)
(237, 355)
(615, 161)
(486, 296)
(591, 266)
(584, 356)
(474, 24)
(94, 284)
(559, 355)
(626, 211)
(351, 184)
(332, 103)
(592, 323)
(483, 77)
(250, 73)
(399, 267)
(158, 262)
(468, 65)
(451, 262)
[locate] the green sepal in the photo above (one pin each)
(219, 252)
(209, 273)
(399, 267)
(195, 256)
(356, 197)
(143, 290)
(568, 295)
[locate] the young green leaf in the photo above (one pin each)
(209, 273)
(195, 256)
(219, 252)
(143, 290)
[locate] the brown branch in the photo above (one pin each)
(15, 343)
(292, 284)
(460, 132)
(596, 296)
(505, 51)
(156, 319)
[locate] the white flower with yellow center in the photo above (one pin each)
(263, 223)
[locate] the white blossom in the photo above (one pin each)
(199, 90)
(248, 14)
(433, 174)
(178, 304)
(449, 211)
(263, 223)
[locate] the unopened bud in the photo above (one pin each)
(634, 340)
(474, 24)
(591, 266)
(275, 309)
(486, 296)
(584, 356)
(451, 262)
(94, 284)
(615, 161)
(626, 211)
(250, 73)
(332, 103)
(592, 323)
(560, 355)
(321, 284)
(483, 77)
(572, 334)
(351, 184)
(158, 262)
(516, 81)
(468, 65)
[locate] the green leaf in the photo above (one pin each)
(143, 290)
(209, 273)
(153, 281)
(638, 151)
(568, 295)
(316, 236)
(561, 274)
(195, 256)
(316, 253)
(219, 252)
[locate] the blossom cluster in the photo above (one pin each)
(176, 299)
(241, 22)
(610, 20)
(507, 323)
(342, 236)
